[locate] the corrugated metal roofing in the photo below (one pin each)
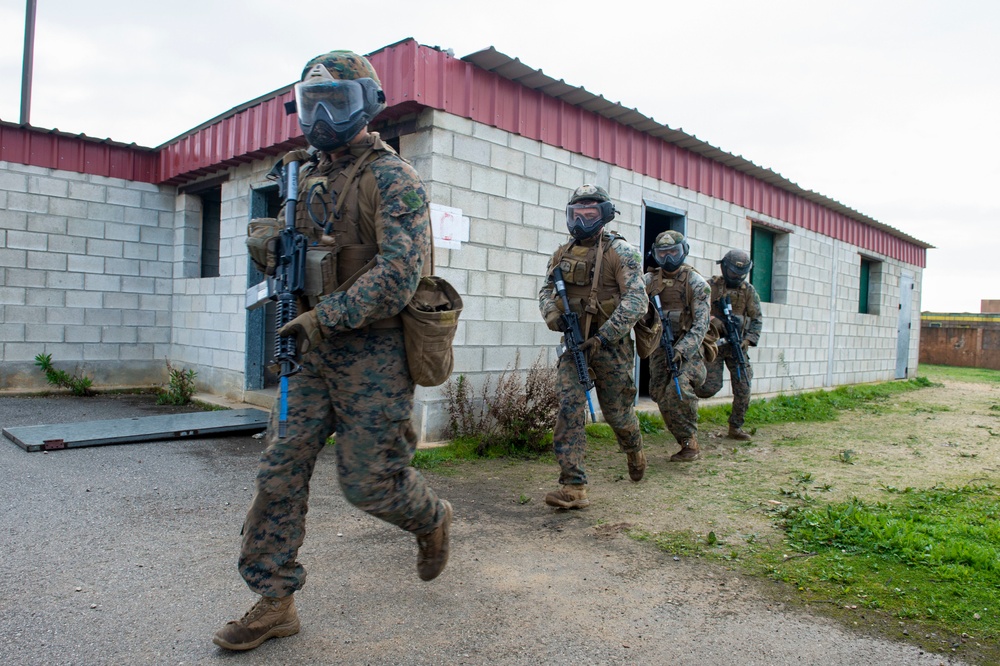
(712, 176)
(497, 90)
(53, 149)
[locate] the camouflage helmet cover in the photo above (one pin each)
(338, 95)
(589, 192)
(589, 209)
(670, 249)
(343, 66)
(668, 238)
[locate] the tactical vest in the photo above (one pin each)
(675, 297)
(578, 264)
(739, 298)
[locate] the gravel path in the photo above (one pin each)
(125, 554)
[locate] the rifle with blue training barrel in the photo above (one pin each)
(573, 338)
(667, 343)
(286, 285)
(733, 337)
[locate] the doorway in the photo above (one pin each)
(264, 202)
(903, 326)
(656, 218)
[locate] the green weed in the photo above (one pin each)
(180, 388)
(77, 385)
(650, 424)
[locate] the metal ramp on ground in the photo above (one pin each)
(139, 429)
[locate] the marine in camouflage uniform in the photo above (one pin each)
(684, 300)
(354, 378)
(745, 303)
(603, 277)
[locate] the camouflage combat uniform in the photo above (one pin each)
(684, 300)
(356, 382)
(621, 301)
(746, 306)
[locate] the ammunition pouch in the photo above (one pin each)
(430, 320)
(648, 331)
(262, 235)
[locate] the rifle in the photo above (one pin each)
(573, 338)
(667, 343)
(287, 284)
(733, 336)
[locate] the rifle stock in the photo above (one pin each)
(667, 344)
(573, 338)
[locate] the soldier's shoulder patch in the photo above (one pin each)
(625, 249)
(399, 185)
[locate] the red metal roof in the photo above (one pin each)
(492, 88)
(53, 149)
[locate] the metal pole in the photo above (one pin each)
(29, 51)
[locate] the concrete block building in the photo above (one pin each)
(116, 259)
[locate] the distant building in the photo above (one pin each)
(962, 339)
(116, 258)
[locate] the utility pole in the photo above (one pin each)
(27, 62)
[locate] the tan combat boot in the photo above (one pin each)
(689, 451)
(636, 464)
(569, 497)
(433, 547)
(738, 433)
(270, 617)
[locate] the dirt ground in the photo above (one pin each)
(126, 553)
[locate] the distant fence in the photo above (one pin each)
(966, 340)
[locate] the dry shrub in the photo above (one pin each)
(515, 419)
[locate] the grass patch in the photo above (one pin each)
(813, 406)
(473, 448)
(939, 373)
(930, 557)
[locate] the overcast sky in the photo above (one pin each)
(889, 106)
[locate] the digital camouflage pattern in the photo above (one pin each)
(355, 383)
(615, 390)
(746, 304)
(343, 65)
(399, 206)
(589, 193)
(680, 413)
(612, 366)
(630, 286)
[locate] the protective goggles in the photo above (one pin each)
(737, 270)
(669, 254)
(589, 214)
(336, 102)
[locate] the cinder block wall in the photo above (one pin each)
(103, 274)
(85, 276)
(514, 190)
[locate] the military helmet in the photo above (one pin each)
(589, 209)
(670, 249)
(735, 266)
(338, 95)
(591, 192)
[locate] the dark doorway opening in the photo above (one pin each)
(657, 218)
(264, 202)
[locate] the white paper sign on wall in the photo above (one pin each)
(451, 228)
